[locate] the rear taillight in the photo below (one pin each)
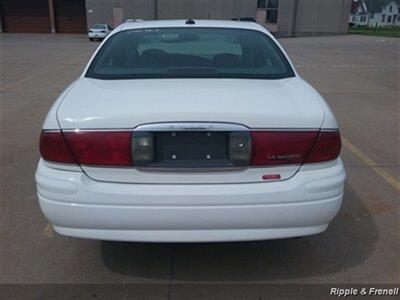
(294, 147)
(257, 148)
(327, 147)
(54, 148)
(103, 148)
(281, 147)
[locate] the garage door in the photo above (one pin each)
(25, 15)
(70, 16)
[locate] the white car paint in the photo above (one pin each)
(286, 103)
(99, 33)
(134, 205)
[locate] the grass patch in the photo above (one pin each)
(388, 32)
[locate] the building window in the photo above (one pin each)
(272, 11)
(389, 19)
(394, 18)
(390, 8)
(383, 18)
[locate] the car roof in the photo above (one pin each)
(197, 23)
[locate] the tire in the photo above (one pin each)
(90, 39)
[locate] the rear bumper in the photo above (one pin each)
(100, 35)
(302, 205)
(187, 236)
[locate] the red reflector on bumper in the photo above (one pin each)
(271, 177)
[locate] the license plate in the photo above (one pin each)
(191, 149)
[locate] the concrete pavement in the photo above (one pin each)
(359, 77)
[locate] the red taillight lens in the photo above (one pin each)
(105, 148)
(326, 148)
(281, 147)
(113, 148)
(294, 147)
(54, 148)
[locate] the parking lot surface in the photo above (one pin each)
(360, 78)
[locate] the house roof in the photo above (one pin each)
(376, 5)
(355, 4)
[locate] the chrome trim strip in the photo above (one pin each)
(284, 129)
(51, 130)
(194, 126)
(191, 126)
(97, 129)
(192, 169)
(189, 169)
(329, 129)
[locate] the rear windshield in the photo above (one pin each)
(99, 26)
(190, 53)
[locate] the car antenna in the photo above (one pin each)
(190, 21)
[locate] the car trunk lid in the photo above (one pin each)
(200, 152)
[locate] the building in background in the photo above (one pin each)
(313, 17)
(283, 17)
(43, 16)
(375, 13)
(104, 10)
(359, 13)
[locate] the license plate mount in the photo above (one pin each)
(191, 149)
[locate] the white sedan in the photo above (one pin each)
(190, 131)
(99, 32)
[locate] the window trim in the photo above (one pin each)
(290, 70)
